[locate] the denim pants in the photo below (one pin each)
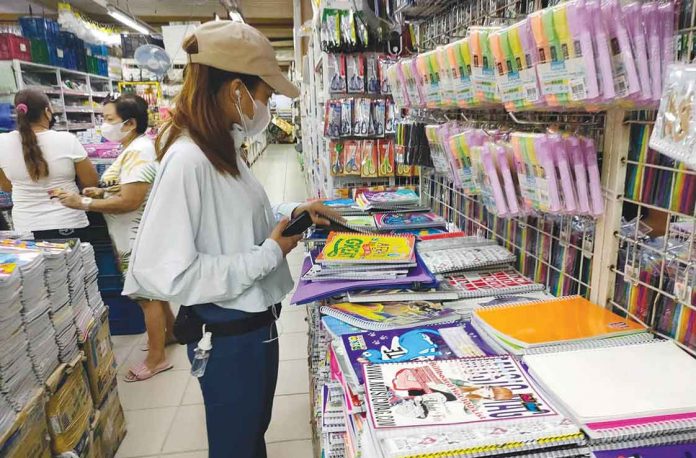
(238, 386)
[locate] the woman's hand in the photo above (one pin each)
(318, 211)
(68, 199)
(286, 244)
(95, 193)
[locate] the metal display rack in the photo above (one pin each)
(68, 103)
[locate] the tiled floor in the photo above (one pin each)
(165, 415)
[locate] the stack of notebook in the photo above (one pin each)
(466, 258)
(398, 221)
(94, 298)
(349, 256)
(17, 378)
(462, 407)
(389, 315)
(568, 321)
(82, 313)
(485, 283)
(387, 200)
(623, 395)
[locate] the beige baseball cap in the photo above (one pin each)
(240, 48)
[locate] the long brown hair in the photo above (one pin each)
(198, 112)
(30, 106)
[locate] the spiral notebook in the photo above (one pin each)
(467, 258)
(363, 224)
(389, 315)
(346, 248)
(401, 295)
(466, 307)
(623, 392)
(395, 221)
(489, 283)
(480, 404)
(556, 321)
(659, 451)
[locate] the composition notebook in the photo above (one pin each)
(489, 283)
(418, 343)
(562, 320)
(622, 392)
(389, 315)
(346, 248)
(477, 403)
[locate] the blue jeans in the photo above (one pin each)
(238, 387)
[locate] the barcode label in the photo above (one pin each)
(577, 90)
(532, 94)
(621, 88)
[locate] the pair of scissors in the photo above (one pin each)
(386, 167)
(369, 168)
(337, 167)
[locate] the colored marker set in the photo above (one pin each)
(520, 173)
(580, 54)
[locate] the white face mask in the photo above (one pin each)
(260, 120)
(113, 132)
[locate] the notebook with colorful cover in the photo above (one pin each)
(336, 328)
(389, 315)
(419, 233)
(346, 248)
(489, 283)
(487, 403)
(623, 392)
(306, 291)
(394, 221)
(387, 199)
(465, 307)
(562, 320)
(658, 451)
(418, 343)
(401, 295)
(363, 224)
(467, 258)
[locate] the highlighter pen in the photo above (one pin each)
(650, 17)
(500, 69)
(555, 54)
(402, 83)
(566, 50)
(529, 59)
(603, 56)
(634, 20)
(545, 157)
(579, 26)
(667, 15)
(573, 148)
(616, 19)
(446, 96)
(543, 48)
(493, 179)
(593, 173)
(561, 160)
(511, 66)
(504, 167)
(418, 81)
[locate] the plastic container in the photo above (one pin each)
(14, 47)
(110, 284)
(125, 315)
(106, 260)
(39, 51)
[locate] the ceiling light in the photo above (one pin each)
(235, 16)
(127, 20)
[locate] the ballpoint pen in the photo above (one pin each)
(577, 161)
(615, 18)
(560, 158)
(580, 30)
(593, 173)
(634, 23)
(650, 17)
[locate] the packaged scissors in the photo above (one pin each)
(336, 73)
(362, 125)
(355, 66)
(346, 116)
(368, 156)
(351, 158)
(385, 151)
(336, 157)
(372, 72)
(332, 119)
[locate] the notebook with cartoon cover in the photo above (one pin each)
(389, 315)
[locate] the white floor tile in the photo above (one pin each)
(176, 354)
(292, 320)
(147, 431)
(293, 377)
(188, 432)
(193, 394)
(293, 345)
(162, 390)
(290, 449)
(290, 419)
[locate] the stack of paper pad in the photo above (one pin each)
(387, 200)
(17, 378)
(348, 256)
(76, 282)
(527, 327)
(43, 348)
(458, 259)
(623, 394)
(462, 407)
(94, 298)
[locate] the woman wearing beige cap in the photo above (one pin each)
(210, 239)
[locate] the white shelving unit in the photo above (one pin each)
(68, 103)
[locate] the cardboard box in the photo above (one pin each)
(110, 426)
(29, 435)
(101, 363)
(69, 409)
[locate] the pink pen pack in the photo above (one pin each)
(596, 197)
(667, 19)
(561, 161)
(623, 64)
(547, 177)
(503, 157)
(581, 31)
(577, 161)
(602, 51)
(636, 31)
(651, 21)
(494, 198)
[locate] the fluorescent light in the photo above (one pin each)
(128, 21)
(235, 16)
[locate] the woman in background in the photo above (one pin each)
(125, 186)
(37, 163)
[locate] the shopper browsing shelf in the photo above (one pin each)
(211, 240)
(37, 163)
(121, 197)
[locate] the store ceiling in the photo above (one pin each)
(272, 17)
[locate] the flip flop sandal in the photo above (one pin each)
(141, 372)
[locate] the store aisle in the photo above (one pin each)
(165, 415)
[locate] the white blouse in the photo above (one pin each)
(204, 237)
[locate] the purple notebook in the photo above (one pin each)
(418, 277)
(418, 343)
(660, 451)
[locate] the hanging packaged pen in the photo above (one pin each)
(459, 146)
(623, 64)
(503, 157)
(346, 112)
(581, 32)
(603, 53)
(355, 73)
(362, 127)
(368, 157)
(577, 162)
(592, 165)
(431, 80)
(390, 117)
(351, 158)
(385, 81)
(385, 150)
(651, 21)
(482, 69)
(459, 67)
(378, 117)
(336, 73)
(446, 86)
(637, 34)
(336, 157)
(332, 119)
(666, 15)
(560, 158)
(523, 149)
(413, 83)
(437, 151)
(372, 73)
(507, 71)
